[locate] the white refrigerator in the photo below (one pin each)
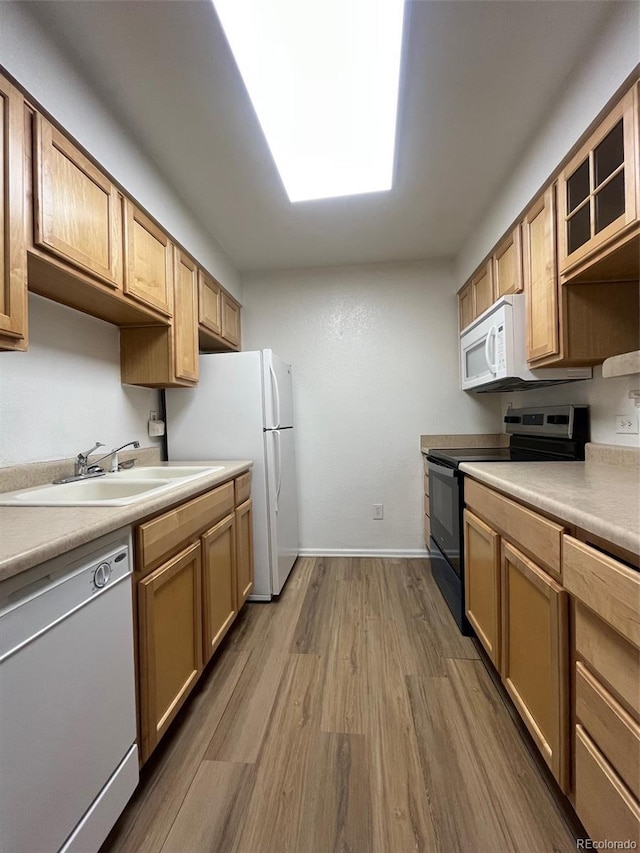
(242, 408)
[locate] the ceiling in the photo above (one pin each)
(478, 78)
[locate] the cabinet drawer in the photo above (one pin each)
(607, 586)
(157, 538)
(604, 805)
(536, 535)
(613, 730)
(243, 488)
(615, 659)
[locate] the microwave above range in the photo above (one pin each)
(493, 353)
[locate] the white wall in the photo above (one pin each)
(611, 59)
(375, 365)
(38, 65)
(606, 399)
(64, 393)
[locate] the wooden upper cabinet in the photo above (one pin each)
(465, 305)
(149, 261)
(13, 251)
(77, 209)
(482, 288)
(209, 303)
(598, 188)
(540, 277)
(477, 295)
(218, 316)
(185, 319)
(230, 320)
(507, 265)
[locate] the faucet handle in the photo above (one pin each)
(82, 459)
(89, 452)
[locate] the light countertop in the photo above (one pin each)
(30, 535)
(600, 498)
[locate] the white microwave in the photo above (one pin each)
(493, 357)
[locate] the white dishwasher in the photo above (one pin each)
(68, 758)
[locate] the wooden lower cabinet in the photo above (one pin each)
(170, 644)
(606, 618)
(244, 539)
(194, 570)
(482, 583)
(535, 655)
(218, 582)
(607, 809)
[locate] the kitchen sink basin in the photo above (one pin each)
(148, 472)
(101, 491)
(117, 489)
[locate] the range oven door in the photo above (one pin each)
(445, 501)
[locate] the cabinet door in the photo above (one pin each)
(209, 306)
(185, 318)
(13, 252)
(535, 655)
(540, 277)
(465, 304)
(218, 582)
(482, 288)
(149, 262)
(507, 265)
(78, 211)
(244, 540)
(230, 320)
(597, 188)
(170, 642)
(482, 583)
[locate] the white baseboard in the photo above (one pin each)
(382, 553)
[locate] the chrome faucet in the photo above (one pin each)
(82, 460)
(114, 455)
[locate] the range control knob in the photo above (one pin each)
(557, 419)
(102, 575)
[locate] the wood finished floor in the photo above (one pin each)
(350, 716)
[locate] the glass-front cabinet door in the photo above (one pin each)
(597, 190)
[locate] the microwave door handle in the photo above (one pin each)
(493, 367)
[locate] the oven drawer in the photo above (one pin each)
(613, 730)
(534, 534)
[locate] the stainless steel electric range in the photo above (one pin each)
(542, 434)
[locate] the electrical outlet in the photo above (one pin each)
(627, 424)
(378, 512)
(153, 416)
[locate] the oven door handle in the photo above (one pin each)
(441, 471)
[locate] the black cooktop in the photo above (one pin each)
(542, 434)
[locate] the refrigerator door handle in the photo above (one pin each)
(278, 455)
(276, 396)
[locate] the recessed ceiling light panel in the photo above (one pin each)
(323, 78)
